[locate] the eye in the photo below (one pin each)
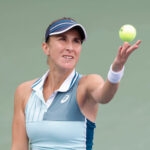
(62, 38)
(77, 40)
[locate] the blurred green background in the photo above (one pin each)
(124, 123)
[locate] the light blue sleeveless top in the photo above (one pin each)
(61, 126)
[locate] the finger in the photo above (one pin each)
(120, 51)
(133, 47)
(136, 45)
(124, 49)
(138, 42)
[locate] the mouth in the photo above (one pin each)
(68, 57)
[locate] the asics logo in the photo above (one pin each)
(65, 99)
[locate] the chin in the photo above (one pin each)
(68, 67)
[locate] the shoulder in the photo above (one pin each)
(23, 92)
(24, 87)
(88, 84)
(91, 80)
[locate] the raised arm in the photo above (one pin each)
(103, 91)
(116, 71)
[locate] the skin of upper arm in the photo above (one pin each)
(87, 96)
(98, 90)
(19, 135)
(93, 85)
(92, 90)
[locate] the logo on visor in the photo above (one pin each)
(65, 99)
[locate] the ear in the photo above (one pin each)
(45, 48)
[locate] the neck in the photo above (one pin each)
(54, 81)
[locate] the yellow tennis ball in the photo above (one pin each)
(127, 33)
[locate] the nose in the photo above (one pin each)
(69, 46)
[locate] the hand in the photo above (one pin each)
(124, 52)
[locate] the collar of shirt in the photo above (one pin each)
(38, 85)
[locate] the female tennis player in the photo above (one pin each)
(58, 110)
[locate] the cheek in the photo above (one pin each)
(78, 52)
(47, 52)
(52, 51)
(77, 55)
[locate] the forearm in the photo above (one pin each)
(111, 84)
(109, 90)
